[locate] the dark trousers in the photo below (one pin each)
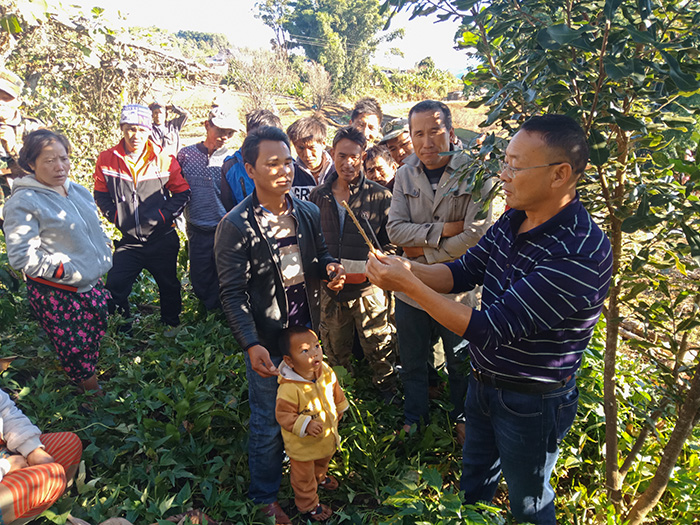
(203, 276)
(159, 257)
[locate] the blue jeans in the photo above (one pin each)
(265, 445)
(415, 329)
(518, 434)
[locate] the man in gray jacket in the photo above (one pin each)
(433, 218)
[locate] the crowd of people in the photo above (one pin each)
(375, 243)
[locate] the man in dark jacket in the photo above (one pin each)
(360, 306)
(141, 191)
(271, 258)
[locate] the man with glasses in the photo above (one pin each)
(545, 267)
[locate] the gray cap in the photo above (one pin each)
(224, 119)
(393, 129)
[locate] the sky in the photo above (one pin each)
(235, 19)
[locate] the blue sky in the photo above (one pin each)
(235, 18)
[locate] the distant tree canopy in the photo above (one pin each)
(205, 41)
(341, 35)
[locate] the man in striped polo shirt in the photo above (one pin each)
(201, 166)
(545, 267)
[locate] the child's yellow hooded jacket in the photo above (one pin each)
(300, 401)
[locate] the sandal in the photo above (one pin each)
(274, 510)
(320, 513)
(330, 483)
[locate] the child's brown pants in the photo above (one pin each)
(305, 477)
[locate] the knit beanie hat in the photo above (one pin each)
(137, 114)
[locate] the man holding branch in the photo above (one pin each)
(545, 267)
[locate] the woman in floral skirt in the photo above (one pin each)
(53, 234)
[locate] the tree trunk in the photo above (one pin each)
(681, 432)
(612, 471)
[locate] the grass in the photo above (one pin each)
(171, 434)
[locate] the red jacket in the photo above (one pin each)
(146, 208)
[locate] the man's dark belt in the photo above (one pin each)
(523, 386)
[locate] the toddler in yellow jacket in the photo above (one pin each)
(310, 403)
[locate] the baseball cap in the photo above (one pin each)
(224, 119)
(136, 114)
(10, 83)
(393, 129)
(155, 105)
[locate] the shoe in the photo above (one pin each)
(320, 513)
(461, 433)
(171, 331)
(435, 391)
(330, 483)
(274, 510)
(390, 397)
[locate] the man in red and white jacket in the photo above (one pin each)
(141, 191)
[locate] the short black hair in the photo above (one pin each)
(251, 144)
(367, 106)
(34, 144)
(261, 117)
(432, 106)
(350, 133)
(307, 128)
(564, 135)
(286, 334)
(379, 150)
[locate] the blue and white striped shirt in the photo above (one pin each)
(544, 290)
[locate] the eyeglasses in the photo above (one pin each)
(510, 171)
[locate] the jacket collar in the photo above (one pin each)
(456, 160)
(354, 188)
(564, 217)
(258, 208)
(153, 149)
(29, 181)
(287, 373)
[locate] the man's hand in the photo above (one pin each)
(413, 251)
(337, 274)
(450, 229)
(260, 361)
(17, 462)
(390, 272)
(314, 428)
(39, 456)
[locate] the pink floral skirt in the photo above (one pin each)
(75, 323)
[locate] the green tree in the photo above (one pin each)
(341, 35)
(626, 70)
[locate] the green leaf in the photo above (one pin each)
(563, 34)
(627, 122)
(433, 478)
(545, 40)
(687, 82)
(610, 8)
(635, 291)
(640, 37)
(616, 70)
(645, 8)
(693, 238)
(597, 145)
(10, 24)
(165, 505)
